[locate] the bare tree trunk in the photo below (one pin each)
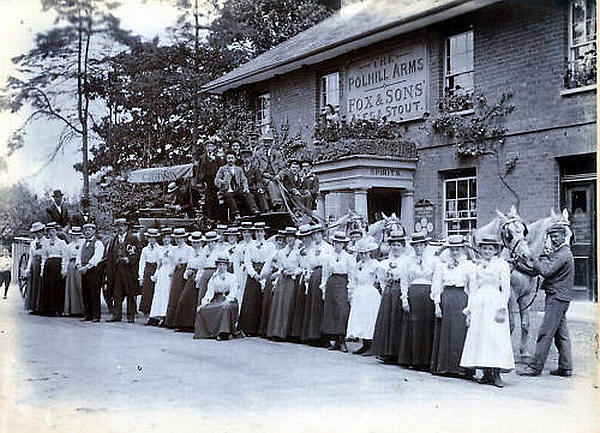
(84, 118)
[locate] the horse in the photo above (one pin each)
(522, 242)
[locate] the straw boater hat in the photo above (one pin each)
(195, 237)
(76, 231)
(339, 236)
(89, 226)
(211, 236)
(233, 231)
(221, 227)
(171, 187)
(246, 225)
(52, 225)
(152, 233)
(179, 232)
(260, 226)
(489, 240)
(288, 231)
(37, 227)
(166, 231)
(397, 236)
(304, 230)
(455, 241)
(364, 245)
(121, 220)
(419, 238)
(224, 260)
(317, 228)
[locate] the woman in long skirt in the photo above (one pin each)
(218, 313)
(365, 296)
(417, 331)
(147, 267)
(282, 303)
(268, 275)
(162, 283)
(255, 257)
(392, 274)
(34, 268)
(185, 314)
(337, 267)
(313, 311)
(182, 253)
(54, 269)
(488, 345)
(73, 291)
(449, 292)
(211, 252)
(301, 285)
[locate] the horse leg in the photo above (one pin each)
(513, 311)
(524, 332)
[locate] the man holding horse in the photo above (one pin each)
(557, 268)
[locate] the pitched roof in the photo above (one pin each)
(354, 26)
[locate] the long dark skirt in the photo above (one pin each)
(297, 313)
(251, 312)
(207, 273)
(313, 310)
(73, 291)
(450, 332)
(388, 326)
(417, 328)
(53, 287)
(282, 306)
(34, 285)
(177, 283)
(336, 307)
(147, 288)
(185, 314)
(266, 307)
(217, 317)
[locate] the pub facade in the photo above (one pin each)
(395, 60)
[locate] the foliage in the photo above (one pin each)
(581, 72)
(357, 129)
(478, 133)
(19, 208)
(455, 100)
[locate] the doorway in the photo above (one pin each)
(383, 201)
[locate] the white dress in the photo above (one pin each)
(488, 342)
(365, 300)
(162, 287)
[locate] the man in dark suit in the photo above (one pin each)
(557, 268)
(292, 182)
(233, 184)
(121, 270)
(255, 179)
(310, 182)
(208, 165)
(57, 211)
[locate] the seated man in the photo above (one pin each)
(180, 198)
(292, 182)
(310, 182)
(255, 180)
(233, 185)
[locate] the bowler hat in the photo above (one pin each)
(57, 193)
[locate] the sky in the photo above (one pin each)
(20, 20)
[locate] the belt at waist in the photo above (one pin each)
(454, 287)
(210, 268)
(339, 275)
(54, 257)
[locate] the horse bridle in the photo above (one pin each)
(505, 242)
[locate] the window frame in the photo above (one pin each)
(323, 92)
(447, 74)
(571, 45)
(472, 219)
(264, 122)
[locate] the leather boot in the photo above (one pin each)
(496, 380)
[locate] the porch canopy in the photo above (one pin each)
(161, 174)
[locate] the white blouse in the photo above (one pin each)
(394, 270)
(494, 275)
(182, 254)
(258, 252)
(337, 263)
(220, 283)
(149, 255)
(55, 249)
(455, 274)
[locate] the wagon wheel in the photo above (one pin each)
(23, 280)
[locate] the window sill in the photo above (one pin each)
(462, 112)
(588, 88)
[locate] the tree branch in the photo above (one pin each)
(50, 111)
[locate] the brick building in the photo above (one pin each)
(395, 58)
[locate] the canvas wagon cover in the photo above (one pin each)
(161, 174)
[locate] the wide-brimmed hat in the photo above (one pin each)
(76, 231)
(152, 233)
(288, 231)
(339, 236)
(89, 226)
(171, 187)
(37, 227)
(120, 220)
(260, 225)
(419, 238)
(211, 236)
(397, 236)
(455, 241)
(364, 245)
(317, 228)
(246, 225)
(489, 240)
(179, 232)
(166, 231)
(195, 237)
(560, 226)
(304, 230)
(224, 260)
(52, 225)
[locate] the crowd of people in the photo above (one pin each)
(410, 302)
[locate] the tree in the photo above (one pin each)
(53, 78)
(19, 208)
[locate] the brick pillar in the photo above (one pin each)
(407, 211)
(361, 203)
(321, 205)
